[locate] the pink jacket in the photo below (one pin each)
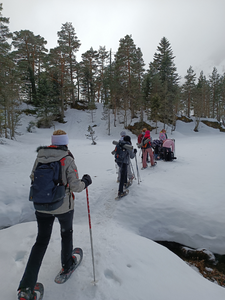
(162, 136)
(169, 144)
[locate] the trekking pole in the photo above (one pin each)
(138, 175)
(140, 152)
(174, 146)
(89, 218)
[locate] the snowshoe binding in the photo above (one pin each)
(26, 294)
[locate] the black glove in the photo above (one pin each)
(87, 180)
(135, 151)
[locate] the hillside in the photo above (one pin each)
(180, 201)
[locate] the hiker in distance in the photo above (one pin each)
(140, 138)
(146, 146)
(123, 160)
(58, 151)
(130, 175)
(122, 135)
(168, 149)
(163, 135)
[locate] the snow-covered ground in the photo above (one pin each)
(179, 201)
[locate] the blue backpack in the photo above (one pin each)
(120, 153)
(47, 190)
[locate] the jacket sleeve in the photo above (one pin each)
(75, 184)
(32, 172)
(131, 153)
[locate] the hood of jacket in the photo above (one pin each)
(47, 154)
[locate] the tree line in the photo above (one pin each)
(52, 80)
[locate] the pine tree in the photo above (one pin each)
(48, 107)
(9, 83)
(128, 75)
(4, 51)
(153, 92)
(89, 68)
(91, 135)
(60, 78)
(102, 81)
(189, 90)
(165, 66)
(69, 45)
(29, 54)
(214, 80)
(155, 107)
(139, 75)
(223, 99)
(201, 100)
(4, 36)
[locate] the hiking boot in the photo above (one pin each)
(71, 268)
(129, 183)
(26, 294)
(121, 194)
(132, 178)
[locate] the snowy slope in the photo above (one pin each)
(176, 201)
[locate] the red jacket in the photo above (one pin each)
(140, 137)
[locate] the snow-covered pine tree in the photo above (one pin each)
(91, 135)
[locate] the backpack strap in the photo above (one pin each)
(145, 142)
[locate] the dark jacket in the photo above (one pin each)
(147, 144)
(129, 151)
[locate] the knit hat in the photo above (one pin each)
(123, 133)
(127, 139)
(147, 133)
(59, 138)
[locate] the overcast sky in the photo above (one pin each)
(194, 28)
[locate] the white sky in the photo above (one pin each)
(194, 28)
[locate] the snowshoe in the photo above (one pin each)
(122, 194)
(64, 275)
(129, 183)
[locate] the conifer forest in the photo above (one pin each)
(50, 81)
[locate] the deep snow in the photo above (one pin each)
(179, 201)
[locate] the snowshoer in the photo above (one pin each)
(168, 149)
(127, 154)
(122, 135)
(45, 219)
(162, 135)
(146, 149)
(130, 174)
(140, 138)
